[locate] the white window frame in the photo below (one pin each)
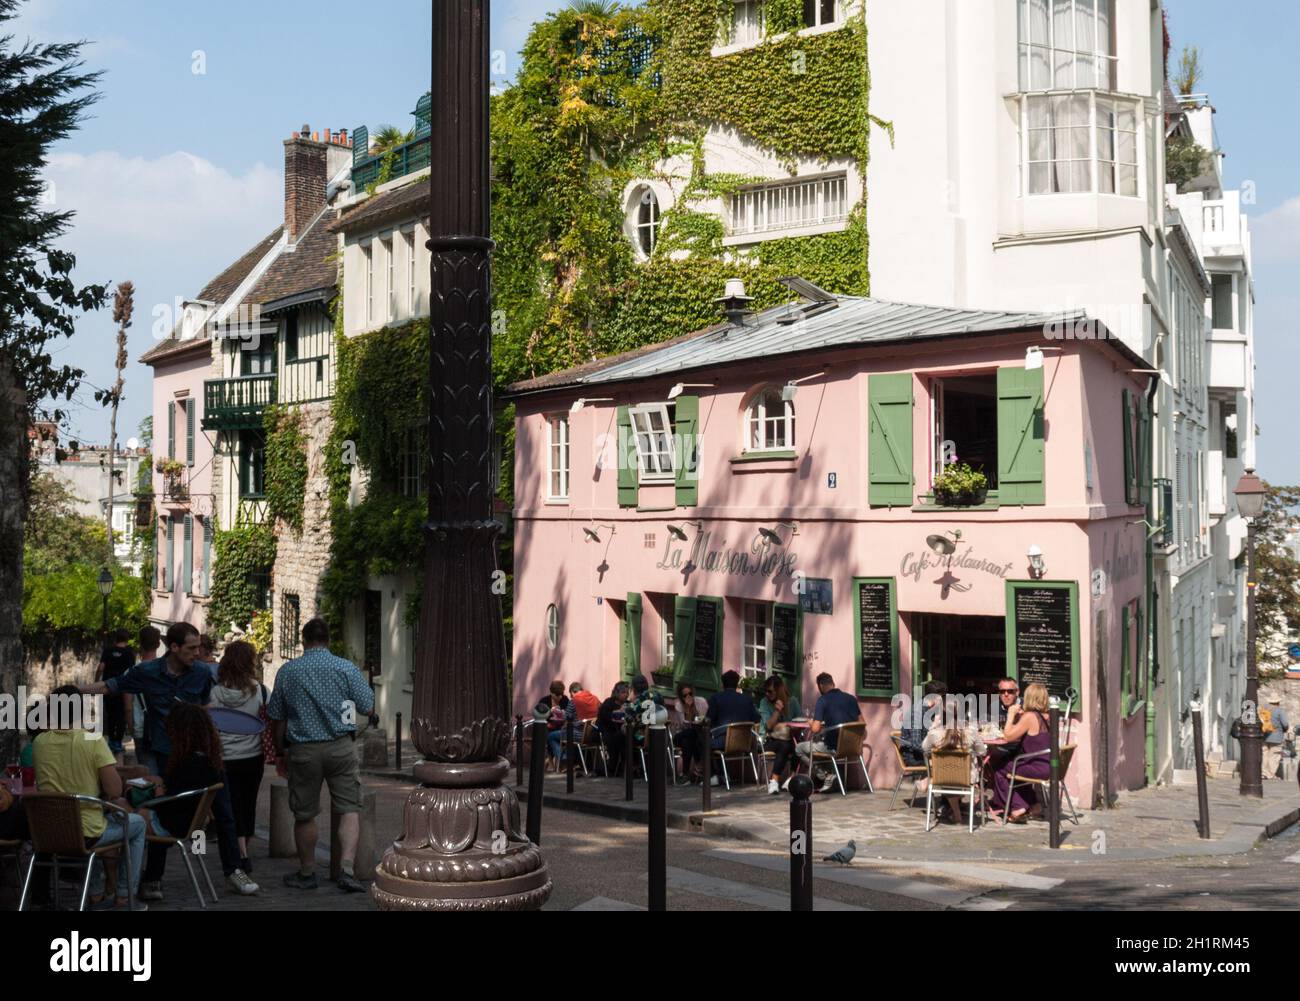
(754, 25)
(642, 229)
(368, 250)
(408, 238)
(754, 432)
(557, 457)
(654, 464)
(797, 203)
(552, 626)
(1094, 128)
(755, 639)
(836, 18)
(390, 279)
(1070, 58)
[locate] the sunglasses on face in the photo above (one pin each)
(1006, 691)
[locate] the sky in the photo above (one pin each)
(179, 169)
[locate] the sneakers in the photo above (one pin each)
(149, 891)
(773, 787)
(713, 780)
(828, 785)
(350, 884)
(785, 786)
(241, 884)
(298, 881)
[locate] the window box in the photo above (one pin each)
(778, 454)
(928, 502)
(663, 678)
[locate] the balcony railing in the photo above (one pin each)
(176, 488)
(407, 159)
(230, 404)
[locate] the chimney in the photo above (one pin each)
(304, 183)
(735, 303)
(327, 136)
(343, 137)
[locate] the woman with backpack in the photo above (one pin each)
(237, 688)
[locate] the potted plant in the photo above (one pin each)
(172, 471)
(958, 484)
(663, 676)
(752, 685)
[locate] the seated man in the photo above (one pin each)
(727, 707)
(586, 705)
(609, 721)
(833, 708)
(70, 760)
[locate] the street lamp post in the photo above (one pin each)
(105, 585)
(1250, 494)
(461, 846)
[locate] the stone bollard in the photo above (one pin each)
(367, 858)
(281, 844)
(374, 748)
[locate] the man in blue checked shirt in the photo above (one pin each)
(313, 713)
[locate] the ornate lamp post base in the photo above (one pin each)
(461, 847)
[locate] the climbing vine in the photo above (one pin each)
(286, 465)
(242, 559)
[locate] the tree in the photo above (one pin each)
(56, 535)
(1189, 74)
(1277, 598)
(123, 306)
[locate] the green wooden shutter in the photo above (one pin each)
(1020, 436)
(360, 145)
(683, 638)
(631, 640)
(1130, 460)
(889, 454)
(1144, 450)
(628, 468)
(1125, 664)
(686, 460)
(171, 554)
(207, 556)
(171, 429)
(187, 556)
(189, 432)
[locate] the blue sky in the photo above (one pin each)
(179, 172)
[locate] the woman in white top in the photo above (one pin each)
(681, 721)
(238, 688)
(950, 733)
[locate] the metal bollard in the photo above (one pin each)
(569, 755)
(519, 750)
(657, 749)
(801, 857)
(706, 753)
(1054, 795)
(398, 753)
(629, 768)
(1202, 794)
(536, 776)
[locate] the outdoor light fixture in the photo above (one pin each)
(581, 402)
(773, 536)
(677, 532)
(1037, 566)
(1250, 494)
(942, 545)
(677, 390)
(105, 582)
(792, 387)
(1033, 359)
(591, 533)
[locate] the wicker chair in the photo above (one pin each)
(198, 821)
(740, 744)
(950, 775)
(1043, 785)
(905, 771)
(849, 747)
(54, 823)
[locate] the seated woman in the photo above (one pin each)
(686, 735)
(556, 708)
(952, 734)
(1029, 726)
(776, 710)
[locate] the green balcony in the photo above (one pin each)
(233, 404)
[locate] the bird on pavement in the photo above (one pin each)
(844, 856)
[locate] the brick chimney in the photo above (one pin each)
(304, 182)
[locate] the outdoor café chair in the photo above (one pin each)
(668, 748)
(54, 824)
(950, 775)
(738, 745)
(13, 849)
(905, 771)
(594, 741)
(1042, 785)
(198, 821)
(848, 749)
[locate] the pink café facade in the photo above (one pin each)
(793, 528)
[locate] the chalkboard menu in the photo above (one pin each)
(1045, 638)
(816, 597)
(706, 631)
(785, 633)
(876, 622)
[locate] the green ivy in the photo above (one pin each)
(63, 610)
(286, 465)
(239, 555)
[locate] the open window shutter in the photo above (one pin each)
(707, 674)
(1020, 436)
(889, 454)
(171, 429)
(683, 638)
(207, 555)
(187, 556)
(1144, 451)
(632, 625)
(628, 467)
(1130, 460)
(171, 555)
(360, 145)
(686, 458)
(189, 432)
(1125, 666)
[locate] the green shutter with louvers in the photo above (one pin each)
(1125, 666)
(686, 457)
(171, 429)
(360, 145)
(889, 454)
(423, 116)
(631, 637)
(1144, 450)
(171, 555)
(628, 475)
(187, 556)
(1020, 436)
(189, 432)
(1130, 460)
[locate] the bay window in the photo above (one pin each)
(1079, 143)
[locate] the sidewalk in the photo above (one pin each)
(1146, 824)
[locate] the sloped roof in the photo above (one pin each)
(410, 200)
(306, 266)
(854, 321)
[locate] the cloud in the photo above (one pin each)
(1277, 233)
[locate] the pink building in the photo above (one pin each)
(757, 496)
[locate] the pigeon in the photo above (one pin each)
(844, 856)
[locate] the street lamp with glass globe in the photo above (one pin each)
(1251, 494)
(105, 584)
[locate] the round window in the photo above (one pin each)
(552, 626)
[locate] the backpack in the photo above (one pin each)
(1266, 721)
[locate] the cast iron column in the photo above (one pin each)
(461, 847)
(1250, 732)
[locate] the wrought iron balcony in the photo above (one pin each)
(176, 488)
(231, 404)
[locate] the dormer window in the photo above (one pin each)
(769, 422)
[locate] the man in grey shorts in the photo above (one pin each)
(316, 701)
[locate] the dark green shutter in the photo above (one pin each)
(360, 145)
(889, 455)
(1144, 450)
(1020, 436)
(1130, 460)
(631, 640)
(189, 432)
(187, 556)
(1125, 662)
(687, 455)
(171, 554)
(171, 429)
(628, 468)
(683, 638)
(207, 556)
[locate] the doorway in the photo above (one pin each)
(968, 653)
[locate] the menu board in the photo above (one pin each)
(785, 633)
(877, 637)
(1045, 636)
(816, 598)
(706, 631)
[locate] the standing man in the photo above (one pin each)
(1273, 737)
(114, 662)
(313, 713)
(833, 708)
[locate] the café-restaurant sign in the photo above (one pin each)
(763, 558)
(914, 565)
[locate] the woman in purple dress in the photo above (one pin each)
(1029, 726)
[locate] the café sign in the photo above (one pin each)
(763, 558)
(914, 565)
